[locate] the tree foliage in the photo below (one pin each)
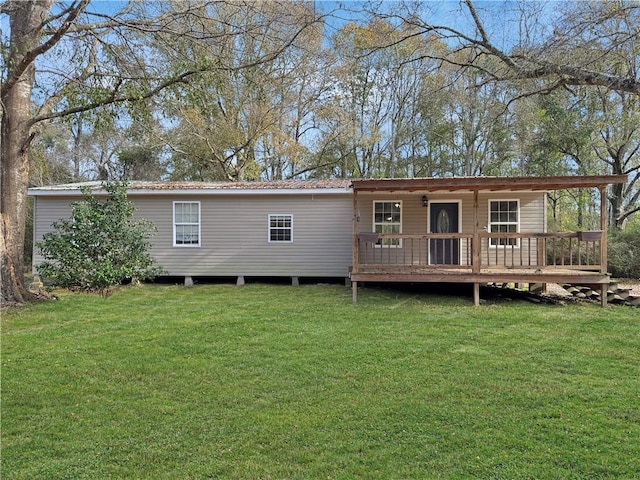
(236, 90)
(624, 254)
(100, 246)
(102, 63)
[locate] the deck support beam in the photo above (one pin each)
(356, 246)
(476, 294)
(476, 247)
(589, 278)
(603, 243)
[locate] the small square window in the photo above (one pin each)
(281, 228)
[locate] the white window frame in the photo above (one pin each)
(270, 228)
(516, 223)
(198, 223)
(375, 224)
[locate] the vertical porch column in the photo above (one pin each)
(475, 248)
(356, 245)
(603, 243)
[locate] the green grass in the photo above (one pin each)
(279, 382)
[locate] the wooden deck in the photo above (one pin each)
(498, 258)
(474, 254)
(389, 273)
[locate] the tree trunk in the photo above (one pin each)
(617, 219)
(26, 20)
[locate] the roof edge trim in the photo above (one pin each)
(75, 192)
(487, 183)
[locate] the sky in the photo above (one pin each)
(500, 16)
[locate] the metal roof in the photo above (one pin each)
(245, 187)
(333, 186)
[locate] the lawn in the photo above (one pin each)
(280, 382)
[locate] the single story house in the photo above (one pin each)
(233, 229)
(474, 230)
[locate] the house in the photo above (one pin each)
(232, 229)
(475, 230)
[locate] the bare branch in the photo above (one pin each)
(114, 98)
(30, 56)
(539, 64)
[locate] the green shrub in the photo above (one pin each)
(624, 254)
(100, 245)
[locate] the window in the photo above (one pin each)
(387, 218)
(281, 228)
(503, 218)
(186, 224)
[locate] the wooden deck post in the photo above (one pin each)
(356, 246)
(603, 226)
(476, 256)
(476, 247)
(603, 243)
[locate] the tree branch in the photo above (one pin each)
(30, 56)
(114, 98)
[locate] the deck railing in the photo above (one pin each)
(415, 250)
(574, 250)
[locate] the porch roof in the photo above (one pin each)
(452, 184)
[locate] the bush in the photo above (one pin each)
(624, 254)
(100, 246)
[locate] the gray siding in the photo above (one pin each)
(415, 217)
(46, 210)
(234, 234)
(234, 229)
(532, 219)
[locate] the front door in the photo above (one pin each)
(444, 219)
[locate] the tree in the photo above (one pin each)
(596, 130)
(618, 147)
(563, 45)
(140, 163)
(49, 158)
(477, 115)
(100, 246)
(363, 118)
(549, 47)
(231, 124)
(96, 62)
